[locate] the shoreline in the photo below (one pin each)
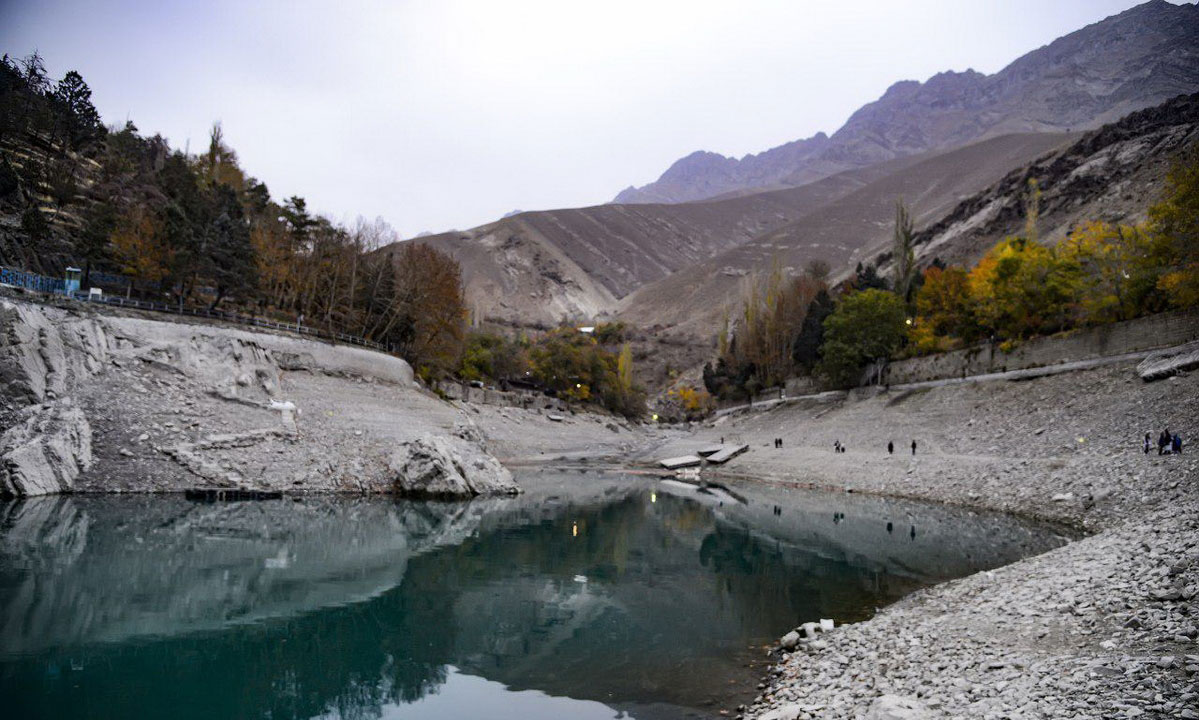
(1101, 627)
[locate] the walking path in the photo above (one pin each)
(1024, 374)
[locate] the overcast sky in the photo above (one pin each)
(439, 114)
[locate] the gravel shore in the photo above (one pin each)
(1102, 627)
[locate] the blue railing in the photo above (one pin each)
(31, 281)
(41, 283)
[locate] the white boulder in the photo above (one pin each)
(432, 467)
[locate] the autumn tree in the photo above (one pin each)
(140, 248)
(1022, 288)
(430, 322)
(944, 304)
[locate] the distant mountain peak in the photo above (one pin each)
(1099, 73)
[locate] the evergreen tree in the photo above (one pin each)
(79, 116)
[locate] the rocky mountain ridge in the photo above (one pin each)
(1126, 62)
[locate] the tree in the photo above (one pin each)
(430, 326)
(867, 326)
(1022, 288)
(806, 349)
(81, 119)
(944, 304)
(867, 278)
(1032, 210)
(229, 256)
(903, 251)
(140, 248)
(1174, 223)
(1120, 280)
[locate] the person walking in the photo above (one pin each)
(1162, 441)
(890, 448)
(1146, 443)
(913, 448)
(1176, 444)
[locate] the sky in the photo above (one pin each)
(437, 115)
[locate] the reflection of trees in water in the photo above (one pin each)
(353, 659)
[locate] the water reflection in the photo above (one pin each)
(647, 601)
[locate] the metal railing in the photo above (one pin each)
(40, 283)
(31, 281)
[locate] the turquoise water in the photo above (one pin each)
(589, 597)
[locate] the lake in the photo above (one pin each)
(590, 596)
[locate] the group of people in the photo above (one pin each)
(778, 443)
(838, 447)
(1168, 443)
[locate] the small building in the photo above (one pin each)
(71, 282)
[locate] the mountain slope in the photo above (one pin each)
(538, 267)
(1127, 62)
(842, 232)
(1112, 174)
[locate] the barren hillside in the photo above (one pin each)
(842, 232)
(538, 267)
(1112, 174)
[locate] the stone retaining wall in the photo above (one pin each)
(489, 396)
(1148, 333)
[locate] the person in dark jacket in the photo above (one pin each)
(1146, 443)
(1176, 444)
(913, 447)
(890, 448)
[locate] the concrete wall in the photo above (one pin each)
(1148, 333)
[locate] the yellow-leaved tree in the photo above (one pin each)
(140, 248)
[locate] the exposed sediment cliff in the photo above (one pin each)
(110, 403)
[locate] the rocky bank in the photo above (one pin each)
(108, 402)
(1103, 627)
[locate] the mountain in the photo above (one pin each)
(1112, 174)
(842, 232)
(961, 205)
(539, 267)
(1127, 62)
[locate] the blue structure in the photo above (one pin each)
(32, 281)
(72, 281)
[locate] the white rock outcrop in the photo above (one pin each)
(432, 467)
(1169, 362)
(45, 453)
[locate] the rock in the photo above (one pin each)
(897, 707)
(430, 467)
(786, 712)
(789, 641)
(1169, 362)
(826, 624)
(1063, 497)
(47, 452)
